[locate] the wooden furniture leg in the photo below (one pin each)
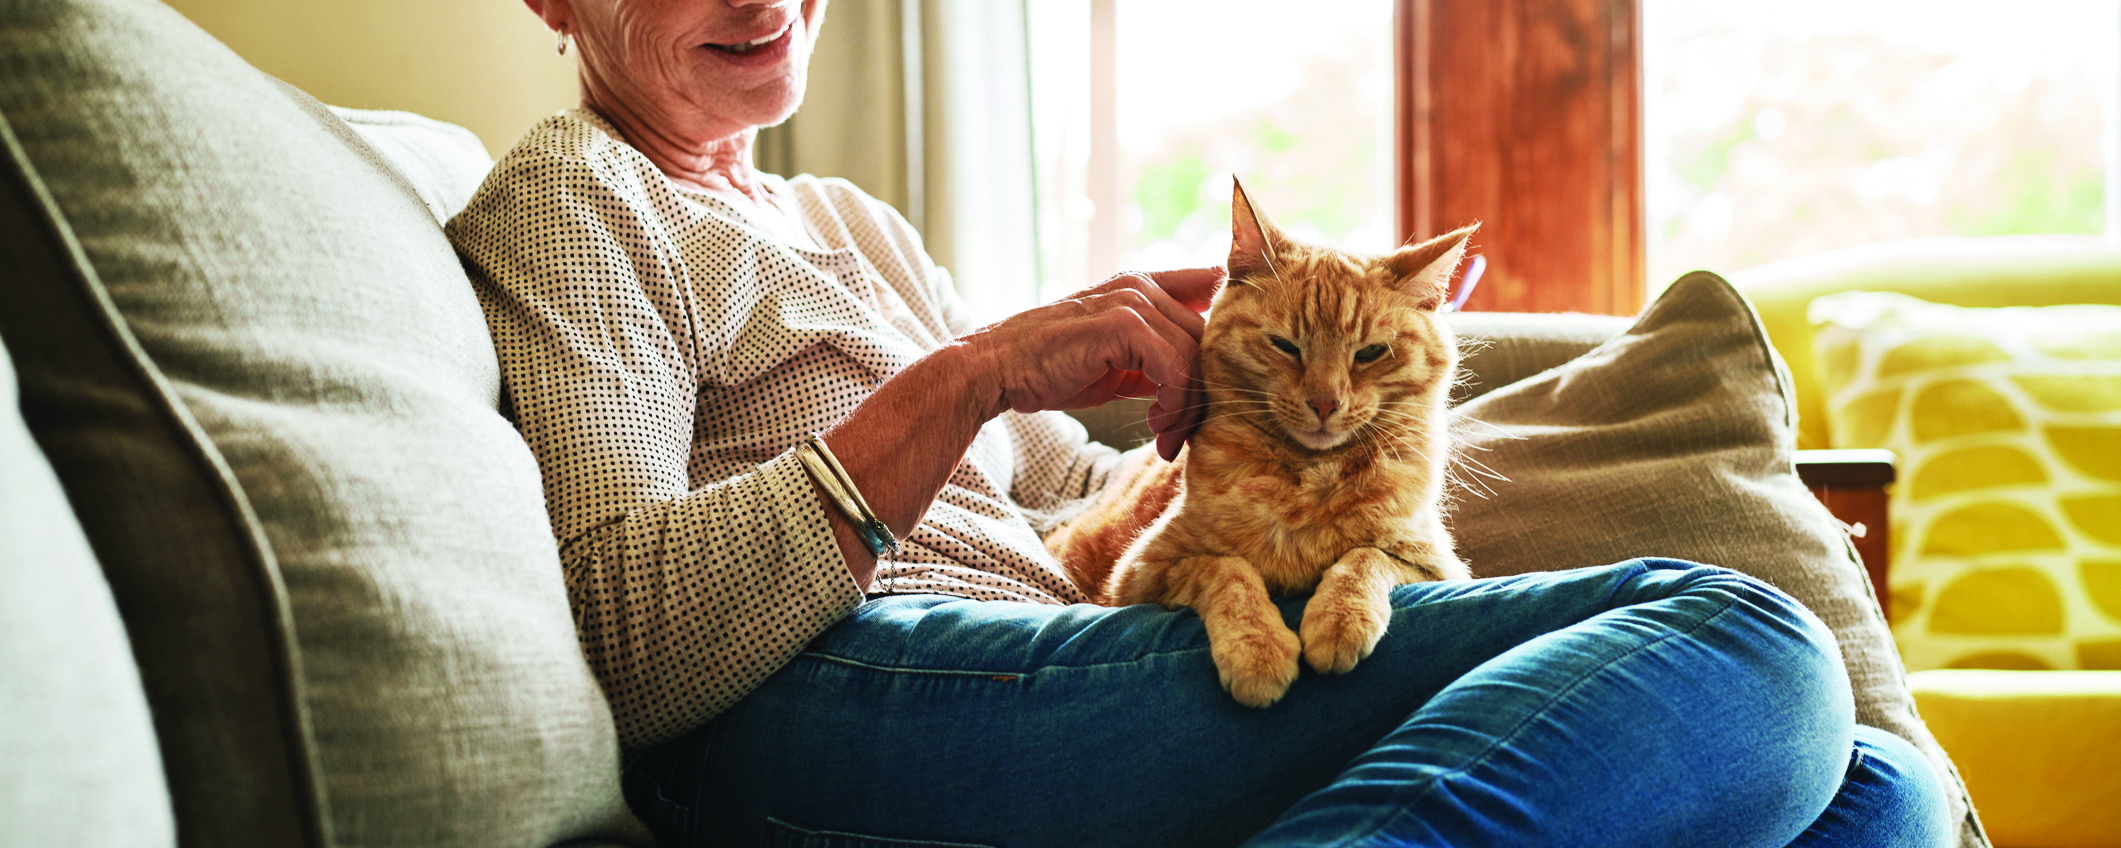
(1852, 484)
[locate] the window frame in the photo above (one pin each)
(1526, 115)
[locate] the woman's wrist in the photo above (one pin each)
(901, 444)
(962, 382)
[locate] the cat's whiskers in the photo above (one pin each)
(1237, 390)
(1472, 475)
(1385, 438)
(1234, 413)
(1462, 470)
(1481, 468)
(1397, 423)
(1405, 420)
(1241, 396)
(1396, 439)
(1228, 410)
(1205, 382)
(1467, 471)
(1461, 422)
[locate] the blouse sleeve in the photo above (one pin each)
(684, 598)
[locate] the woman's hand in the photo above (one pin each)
(1135, 335)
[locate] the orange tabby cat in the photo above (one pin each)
(1319, 466)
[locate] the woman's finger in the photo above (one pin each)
(1173, 425)
(1141, 303)
(1169, 307)
(1194, 287)
(1160, 351)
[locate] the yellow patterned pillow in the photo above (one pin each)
(2006, 548)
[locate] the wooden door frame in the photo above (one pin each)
(1525, 115)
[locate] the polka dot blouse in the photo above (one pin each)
(664, 355)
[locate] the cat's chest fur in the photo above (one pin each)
(1292, 515)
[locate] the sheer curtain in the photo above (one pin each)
(951, 151)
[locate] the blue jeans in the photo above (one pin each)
(1648, 703)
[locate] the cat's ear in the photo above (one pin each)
(1424, 270)
(1252, 237)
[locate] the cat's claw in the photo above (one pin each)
(1258, 667)
(1336, 639)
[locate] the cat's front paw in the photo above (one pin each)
(1257, 666)
(1339, 632)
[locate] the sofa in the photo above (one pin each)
(276, 571)
(2005, 570)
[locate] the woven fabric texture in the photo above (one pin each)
(78, 757)
(444, 163)
(311, 319)
(1675, 439)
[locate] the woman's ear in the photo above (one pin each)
(555, 13)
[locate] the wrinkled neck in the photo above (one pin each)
(705, 160)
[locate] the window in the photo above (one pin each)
(1606, 146)
(1776, 130)
(1358, 122)
(1143, 109)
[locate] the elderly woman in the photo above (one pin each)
(675, 325)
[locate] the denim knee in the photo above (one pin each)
(1890, 797)
(1751, 596)
(1916, 802)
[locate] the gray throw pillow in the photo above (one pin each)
(319, 424)
(444, 163)
(78, 762)
(1675, 439)
(1496, 349)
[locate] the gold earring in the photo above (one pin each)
(560, 40)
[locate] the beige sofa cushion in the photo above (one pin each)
(1675, 439)
(307, 446)
(78, 762)
(444, 163)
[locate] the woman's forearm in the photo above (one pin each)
(902, 443)
(1127, 337)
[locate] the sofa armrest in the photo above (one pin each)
(1852, 485)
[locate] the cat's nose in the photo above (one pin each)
(1325, 407)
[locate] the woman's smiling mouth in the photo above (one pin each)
(748, 47)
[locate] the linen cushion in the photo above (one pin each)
(1675, 439)
(327, 366)
(196, 591)
(443, 163)
(1496, 349)
(78, 763)
(2007, 520)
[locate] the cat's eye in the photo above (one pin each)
(1371, 353)
(1285, 346)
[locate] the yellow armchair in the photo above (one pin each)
(2040, 750)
